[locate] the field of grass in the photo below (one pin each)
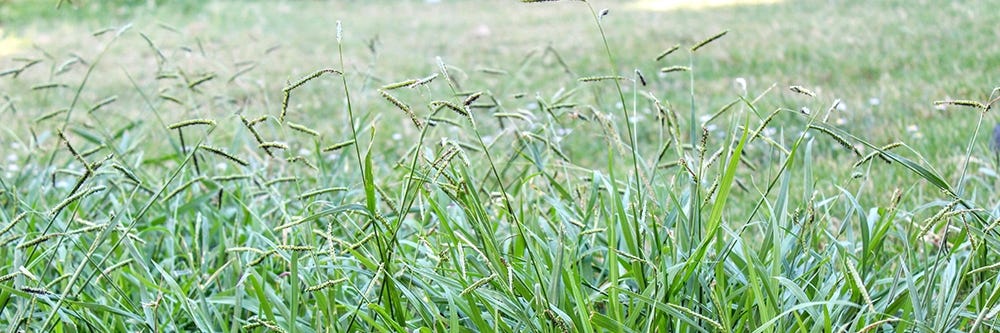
(464, 165)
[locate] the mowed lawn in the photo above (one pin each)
(234, 166)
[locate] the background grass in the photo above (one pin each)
(531, 215)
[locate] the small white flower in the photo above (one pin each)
(15, 145)
(397, 136)
(705, 118)
(13, 167)
(842, 106)
(221, 166)
(841, 121)
(805, 110)
(304, 152)
(912, 128)
(11, 158)
(711, 127)
(874, 101)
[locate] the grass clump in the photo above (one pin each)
(588, 203)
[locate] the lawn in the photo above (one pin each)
(461, 165)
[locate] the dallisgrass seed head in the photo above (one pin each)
(171, 98)
(229, 178)
(39, 240)
(314, 193)
(642, 79)
(288, 89)
(273, 145)
(472, 98)
(91, 151)
(73, 151)
(8, 277)
(433, 121)
(711, 191)
(309, 77)
(62, 204)
(600, 78)
(402, 106)
(191, 122)
(933, 220)
(202, 79)
(672, 69)
(838, 138)
(149, 42)
(261, 258)
(281, 180)
(387, 199)
(50, 115)
(962, 102)
(87, 229)
(708, 41)
(399, 84)
(424, 81)
(9, 239)
(555, 320)
(67, 65)
(450, 106)
(477, 284)
(12, 223)
(37, 291)
(255, 322)
(303, 129)
(683, 162)
(859, 283)
(295, 248)
(355, 246)
(327, 284)
(492, 71)
(224, 154)
(183, 187)
(254, 121)
(126, 172)
(338, 146)
(515, 115)
(447, 75)
(246, 249)
(878, 153)
(246, 68)
(117, 266)
(52, 85)
(667, 52)
(802, 90)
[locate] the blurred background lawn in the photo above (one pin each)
(887, 61)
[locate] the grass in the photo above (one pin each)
(442, 167)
